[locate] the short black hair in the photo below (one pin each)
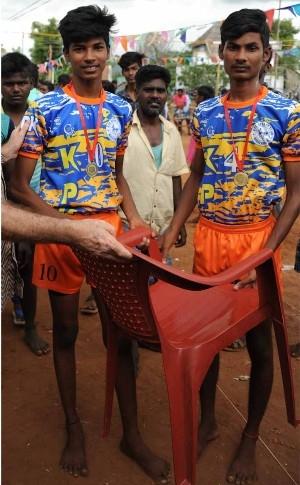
(35, 74)
(84, 23)
(63, 79)
(152, 71)
(130, 58)
(108, 86)
(206, 91)
(244, 21)
(14, 62)
(49, 85)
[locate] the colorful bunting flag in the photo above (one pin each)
(270, 17)
(295, 9)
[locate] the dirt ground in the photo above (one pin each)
(33, 422)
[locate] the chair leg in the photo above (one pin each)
(286, 369)
(111, 375)
(184, 414)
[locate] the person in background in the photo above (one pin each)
(108, 86)
(130, 62)
(45, 86)
(200, 94)
(154, 160)
(181, 102)
(16, 83)
(35, 93)
(63, 80)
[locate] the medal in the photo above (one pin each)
(241, 179)
(92, 167)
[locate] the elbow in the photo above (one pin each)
(15, 191)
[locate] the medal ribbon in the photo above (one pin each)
(240, 161)
(91, 150)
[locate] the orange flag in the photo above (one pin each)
(270, 17)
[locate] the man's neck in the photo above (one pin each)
(16, 113)
(130, 90)
(87, 88)
(243, 90)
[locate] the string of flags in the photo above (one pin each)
(149, 42)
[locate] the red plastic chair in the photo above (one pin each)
(193, 318)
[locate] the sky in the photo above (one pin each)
(134, 16)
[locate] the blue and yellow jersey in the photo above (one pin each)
(274, 139)
(56, 133)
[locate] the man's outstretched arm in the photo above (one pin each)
(92, 235)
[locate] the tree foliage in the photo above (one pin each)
(194, 76)
(46, 39)
(287, 34)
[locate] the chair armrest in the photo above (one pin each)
(134, 237)
(195, 282)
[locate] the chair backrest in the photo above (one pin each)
(123, 287)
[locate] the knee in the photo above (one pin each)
(65, 336)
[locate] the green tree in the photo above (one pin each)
(193, 76)
(287, 34)
(47, 41)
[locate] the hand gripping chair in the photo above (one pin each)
(192, 318)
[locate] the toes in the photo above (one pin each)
(84, 472)
(230, 478)
(46, 349)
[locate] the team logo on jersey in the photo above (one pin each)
(113, 128)
(262, 133)
(69, 130)
(210, 131)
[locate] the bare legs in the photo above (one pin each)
(65, 329)
(132, 443)
(259, 343)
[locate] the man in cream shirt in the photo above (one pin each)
(154, 160)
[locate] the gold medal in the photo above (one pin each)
(92, 169)
(241, 179)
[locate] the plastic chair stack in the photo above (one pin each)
(192, 318)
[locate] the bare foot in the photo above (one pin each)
(73, 459)
(36, 344)
(157, 468)
(243, 468)
(206, 433)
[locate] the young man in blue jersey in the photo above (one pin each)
(81, 133)
(248, 153)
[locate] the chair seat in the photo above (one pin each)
(186, 317)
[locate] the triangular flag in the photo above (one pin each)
(124, 42)
(270, 17)
(183, 35)
(295, 9)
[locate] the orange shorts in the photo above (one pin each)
(55, 265)
(220, 246)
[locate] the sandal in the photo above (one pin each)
(90, 306)
(295, 351)
(236, 346)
